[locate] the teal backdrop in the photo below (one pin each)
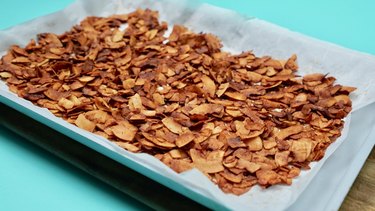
(32, 179)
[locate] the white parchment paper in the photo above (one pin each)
(238, 34)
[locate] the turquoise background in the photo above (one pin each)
(32, 179)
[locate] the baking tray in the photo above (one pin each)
(124, 161)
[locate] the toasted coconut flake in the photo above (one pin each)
(301, 149)
(98, 116)
(162, 143)
(124, 131)
(269, 144)
(253, 76)
(178, 153)
(313, 77)
(5, 75)
(254, 144)
(281, 158)
(86, 79)
(181, 165)
(268, 177)
(76, 85)
(128, 83)
(301, 97)
(148, 113)
(222, 88)
(230, 161)
(207, 109)
(135, 102)
(21, 60)
(34, 89)
(284, 133)
(65, 103)
(208, 165)
(291, 63)
(172, 125)
(241, 130)
(128, 146)
(55, 95)
(343, 98)
(236, 142)
(231, 177)
(236, 95)
(347, 89)
(117, 36)
(184, 139)
(84, 123)
(208, 85)
(249, 166)
(234, 113)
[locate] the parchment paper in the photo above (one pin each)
(238, 33)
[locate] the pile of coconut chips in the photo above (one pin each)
(240, 119)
